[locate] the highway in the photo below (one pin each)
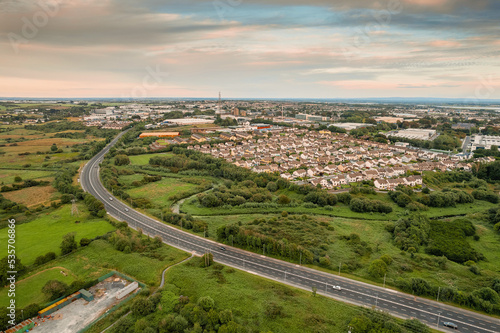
(396, 303)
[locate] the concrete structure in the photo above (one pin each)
(25, 326)
(127, 290)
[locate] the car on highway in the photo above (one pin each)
(337, 288)
(222, 248)
(450, 325)
(126, 209)
(110, 199)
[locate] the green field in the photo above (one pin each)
(161, 192)
(45, 233)
(249, 296)
(7, 176)
(144, 159)
(28, 291)
(90, 263)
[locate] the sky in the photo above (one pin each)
(250, 48)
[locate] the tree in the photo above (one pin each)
(53, 148)
(206, 303)
(283, 200)
(122, 160)
(142, 307)
(18, 179)
(68, 244)
(377, 268)
(55, 289)
(85, 242)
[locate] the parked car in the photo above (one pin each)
(337, 288)
(450, 325)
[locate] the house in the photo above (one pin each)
(299, 173)
(381, 184)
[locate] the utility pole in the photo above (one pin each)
(376, 301)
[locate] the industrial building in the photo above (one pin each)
(479, 141)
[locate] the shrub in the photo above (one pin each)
(55, 289)
(377, 268)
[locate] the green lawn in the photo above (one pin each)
(160, 192)
(45, 233)
(144, 159)
(248, 296)
(28, 290)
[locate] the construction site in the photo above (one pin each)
(76, 312)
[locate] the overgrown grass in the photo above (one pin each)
(249, 296)
(144, 159)
(45, 233)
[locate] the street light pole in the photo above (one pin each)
(439, 315)
(384, 278)
(340, 265)
(439, 289)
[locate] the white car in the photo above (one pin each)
(126, 209)
(110, 199)
(336, 288)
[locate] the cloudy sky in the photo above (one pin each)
(250, 48)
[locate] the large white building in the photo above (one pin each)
(415, 133)
(484, 141)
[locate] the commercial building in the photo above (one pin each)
(484, 142)
(159, 134)
(416, 134)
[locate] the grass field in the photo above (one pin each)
(160, 192)
(248, 296)
(32, 196)
(92, 262)
(7, 176)
(45, 233)
(29, 290)
(144, 159)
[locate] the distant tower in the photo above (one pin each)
(219, 109)
(74, 208)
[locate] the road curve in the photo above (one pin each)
(396, 303)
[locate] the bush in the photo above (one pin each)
(55, 289)
(377, 268)
(85, 242)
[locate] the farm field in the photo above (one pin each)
(7, 176)
(45, 233)
(32, 196)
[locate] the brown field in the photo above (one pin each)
(48, 142)
(31, 196)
